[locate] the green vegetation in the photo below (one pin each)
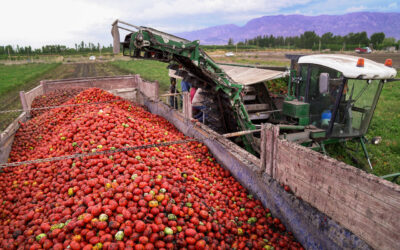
(385, 157)
(13, 76)
(310, 40)
(26, 52)
(148, 70)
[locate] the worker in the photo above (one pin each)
(198, 104)
(185, 86)
(173, 99)
(192, 93)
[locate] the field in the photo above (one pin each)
(277, 57)
(385, 156)
(149, 70)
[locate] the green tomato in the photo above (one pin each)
(171, 217)
(252, 220)
(168, 231)
(119, 235)
(40, 236)
(103, 217)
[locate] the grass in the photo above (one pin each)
(148, 70)
(14, 76)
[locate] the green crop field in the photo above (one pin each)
(148, 70)
(13, 76)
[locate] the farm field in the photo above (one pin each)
(385, 157)
(275, 57)
(147, 69)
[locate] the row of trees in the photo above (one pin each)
(80, 48)
(310, 40)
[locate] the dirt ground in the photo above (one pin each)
(279, 56)
(63, 71)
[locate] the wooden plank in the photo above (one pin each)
(240, 133)
(24, 103)
(329, 185)
(377, 236)
(275, 136)
(374, 186)
(388, 193)
(256, 107)
(324, 190)
(262, 147)
(249, 97)
(381, 189)
(268, 151)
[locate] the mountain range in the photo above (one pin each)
(295, 25)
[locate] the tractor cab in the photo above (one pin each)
(334, 95)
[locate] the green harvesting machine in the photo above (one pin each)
(330, 97)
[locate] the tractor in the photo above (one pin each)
(330, 98)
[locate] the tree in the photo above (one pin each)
(308, 39)
(389, 41)
(230, 41)
(327, 38)
(377, 39)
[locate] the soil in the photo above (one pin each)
(279, 56)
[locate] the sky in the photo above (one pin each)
(67, 22)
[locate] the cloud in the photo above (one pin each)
(40, 22)
(356, 8)
(52, 22)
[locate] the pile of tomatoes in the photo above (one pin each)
(54, 98)
(163, 197)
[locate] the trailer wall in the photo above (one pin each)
(365, 204)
